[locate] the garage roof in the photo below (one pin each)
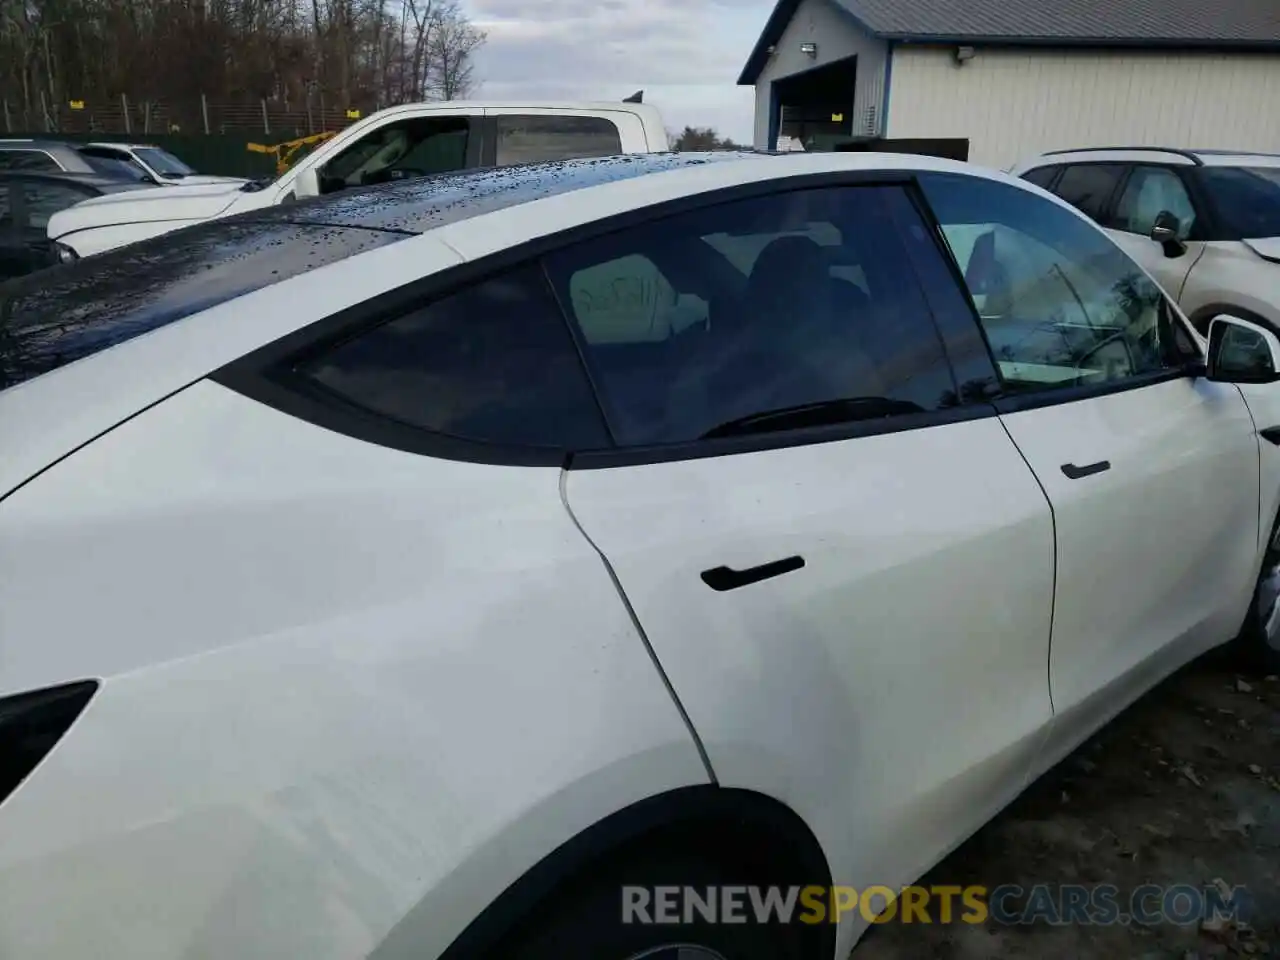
(1185, 24)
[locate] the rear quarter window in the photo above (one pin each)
(56, 316)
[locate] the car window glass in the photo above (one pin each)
(1149, 192)
(399, 151)
(525, 139)
(1088, 186)
(1060, 303)
(784, 325)
(46, 199)
(1247, 199)
(27, 160)
(494, 362)
(1041, 176)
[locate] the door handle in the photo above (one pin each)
(726, 578)
(1088, 470)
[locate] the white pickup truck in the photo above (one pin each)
(413, 140)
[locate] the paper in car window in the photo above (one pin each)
(627, 300)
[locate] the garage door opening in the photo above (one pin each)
(816, 107)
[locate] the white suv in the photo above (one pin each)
(1204, 223)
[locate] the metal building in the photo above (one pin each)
(1020, 76)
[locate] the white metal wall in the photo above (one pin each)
(837, 37)
(1012, 103)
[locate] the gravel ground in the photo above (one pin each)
(1183, 788)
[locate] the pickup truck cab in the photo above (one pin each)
(399, 143)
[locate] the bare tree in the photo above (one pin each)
(352, 52)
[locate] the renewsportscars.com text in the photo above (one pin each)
(1052, 904)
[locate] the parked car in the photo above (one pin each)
(413, 140)
(60, 156)
(28, 199)
(1204, 223)
(402, 573)
(156, 162)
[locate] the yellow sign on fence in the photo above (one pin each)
(77, 104)
(353, 114)
(837, 118)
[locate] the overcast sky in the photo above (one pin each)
(684, 54)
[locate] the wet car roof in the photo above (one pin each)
(416, 206)
(55, 316)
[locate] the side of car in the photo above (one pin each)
(1163, 208)
(27, 201)
(766, 529)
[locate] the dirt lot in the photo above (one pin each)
(1184, 788)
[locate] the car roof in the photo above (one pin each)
(1174, 156)
(415, 206)
(30, 143)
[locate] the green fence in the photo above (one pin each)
(224, 154)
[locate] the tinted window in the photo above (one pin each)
(1149, 192)
(399, 151)
(1041, 176)
(1247, 199)
(27, 160)
(523, 139)
(57, 316)
(44, 199)
(163, 162)
(494, 362)
(696, 322)
(1088, 186)
(1060, 303)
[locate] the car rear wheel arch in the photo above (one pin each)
(717, 821)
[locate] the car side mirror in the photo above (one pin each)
(306, 184)
(1241, 352)
(1164, 231)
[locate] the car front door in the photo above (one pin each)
(1150, 190)
(843, 570)
(1152, 471)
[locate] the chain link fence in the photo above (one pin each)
(270, 119)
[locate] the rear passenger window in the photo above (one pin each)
(1041, 176)
(525, 139)
(26, 160)
(1089, 186)
(794, 310)
(493, 363)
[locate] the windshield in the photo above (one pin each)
(115, 168)
(1247, 199)
(163, 162)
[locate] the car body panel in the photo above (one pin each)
(345, 684)
(873, 691)
(246, 754)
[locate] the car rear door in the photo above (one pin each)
(851, 602)
(1152, 471)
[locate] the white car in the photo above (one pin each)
(1204, 223)
(398, 143)
(156, 162)
(420, 571)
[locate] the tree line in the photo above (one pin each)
(363, 54)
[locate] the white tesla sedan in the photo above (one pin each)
(406, 573)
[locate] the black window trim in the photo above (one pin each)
(1006, 402)
(265, 374)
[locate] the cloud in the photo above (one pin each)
(685, 54)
